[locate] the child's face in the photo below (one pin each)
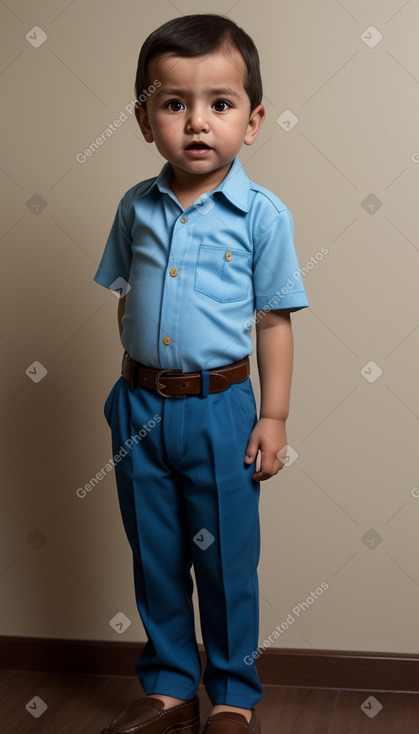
(200, 99)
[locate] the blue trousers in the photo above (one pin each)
(187, 498)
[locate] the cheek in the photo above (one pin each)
(168, 129)
(231, 134)
(233, 127)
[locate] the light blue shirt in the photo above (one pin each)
(193, 278)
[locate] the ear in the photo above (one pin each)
(143, 121)
(255, 123)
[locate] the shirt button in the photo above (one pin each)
(166, 340)
(229, 256)
(184, 220)
(173, 272)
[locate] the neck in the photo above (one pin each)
(187, 187)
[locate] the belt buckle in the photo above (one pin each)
(160, 387)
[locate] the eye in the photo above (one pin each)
(221, 105)
(175, 105)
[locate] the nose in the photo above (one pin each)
(197, 120)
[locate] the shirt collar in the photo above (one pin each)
(235, 186)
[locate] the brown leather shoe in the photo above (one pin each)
(232, 723)
(147, 716)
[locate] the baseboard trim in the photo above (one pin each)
(281, 667)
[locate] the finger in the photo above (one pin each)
(269, 466)
(258, 461)
(251, 450)
(260, 476)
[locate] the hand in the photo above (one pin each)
(269, 436)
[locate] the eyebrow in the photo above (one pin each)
(213, 92)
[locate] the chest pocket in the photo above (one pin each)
(223, 274)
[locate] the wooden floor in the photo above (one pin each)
(86, 704)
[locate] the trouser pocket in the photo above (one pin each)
(109, 402)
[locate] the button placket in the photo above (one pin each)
(171, 299)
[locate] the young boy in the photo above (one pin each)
(197, 250)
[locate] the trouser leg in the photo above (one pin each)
(222, 510)
(154, 518)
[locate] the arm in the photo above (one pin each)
(121, 311)
(275, 357)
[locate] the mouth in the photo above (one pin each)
(198, 150)
(198, 145)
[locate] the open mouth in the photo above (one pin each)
(198, 146)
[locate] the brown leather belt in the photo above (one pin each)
(177, 384)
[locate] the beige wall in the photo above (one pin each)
(65, 566)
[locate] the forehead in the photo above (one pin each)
(222, 67)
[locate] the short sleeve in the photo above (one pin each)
(277, 277)
(114, 268)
